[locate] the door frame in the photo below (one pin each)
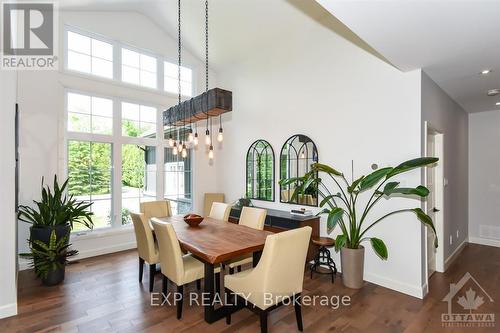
(439, 197)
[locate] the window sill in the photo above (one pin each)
(101, 233)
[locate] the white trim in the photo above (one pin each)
(8, 310)
(452, 257)
(484, 241)
(405, 288)
(105, 250)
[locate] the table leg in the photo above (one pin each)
(256, 257)
(208, 287)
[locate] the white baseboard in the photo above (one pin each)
(8, 310)
(408, 289)
(452, 257)
(484, 241)
(104, 250)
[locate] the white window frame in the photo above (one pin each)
(117, 65)
(117, 140)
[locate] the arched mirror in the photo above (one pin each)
(260, 171)
(297, 155)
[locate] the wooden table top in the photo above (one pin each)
(215, 241)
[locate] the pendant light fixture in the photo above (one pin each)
(209, 104)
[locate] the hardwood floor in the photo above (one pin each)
(102, 294)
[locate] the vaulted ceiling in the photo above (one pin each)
(452, 41)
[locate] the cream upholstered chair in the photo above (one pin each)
(160, 208)
(146, 247)
(220, 211)
(209, 199)
(253, 218)
(277, 277)
(175, 266)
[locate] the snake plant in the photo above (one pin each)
(342, 203)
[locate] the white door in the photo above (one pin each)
(431, 204)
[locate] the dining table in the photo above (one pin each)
(215, 242)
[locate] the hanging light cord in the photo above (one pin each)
(179, 50)
(206, 58)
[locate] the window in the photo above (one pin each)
(138, 178)
(90, 178)
(178, 181)
(138, 120)
(89, 55)
(89, 114)
(171, 79)
(139, 69)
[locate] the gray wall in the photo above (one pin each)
(484, 178)
(449, 118)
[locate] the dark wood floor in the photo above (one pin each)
(102, 294)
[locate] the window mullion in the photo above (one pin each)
(160, 157)
(117, 165)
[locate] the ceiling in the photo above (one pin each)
(452, 41)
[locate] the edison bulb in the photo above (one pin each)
(174, 150)
(180, 147)
(195, 140)
(220, 136)
(190, 137)
(184, 153)
(211, 153)
(208, 141)
(170, 142)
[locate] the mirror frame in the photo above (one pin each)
(315, 154)
(252, 146)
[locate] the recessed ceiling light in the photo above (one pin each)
(486, 71)
(493, 92)
(498, 103)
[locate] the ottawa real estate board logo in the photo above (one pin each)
(29, 36)
(468, 305)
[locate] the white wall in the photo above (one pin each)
(484, 178)
(447, 117)
(8, 271)
(354, 106)
(41, 96)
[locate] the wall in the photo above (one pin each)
(447, 117)
(354, 106)
(41, 95)
(484, 178)
(8, 271)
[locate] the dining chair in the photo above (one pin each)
(159, 208)
(175, 266)
(146, 247)
(277, 278)
(209, 199)
(220, 211)
(253, 218)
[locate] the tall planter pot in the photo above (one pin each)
(42, 233)
(353, 262)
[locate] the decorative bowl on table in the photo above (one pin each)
(193, 220)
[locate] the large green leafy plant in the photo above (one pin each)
(342, 203)
(57, 208)
(49, 257)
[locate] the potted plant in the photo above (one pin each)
(342, 209)
(49, 259)
(56, 214)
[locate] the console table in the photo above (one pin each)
(278, 221)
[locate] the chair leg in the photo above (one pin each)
(239, 268)
(164, 287)
(198, 284)
(231, 271)
(263, 322)
(152, 271)
(230, 298)
(180, 290)
(217, 283)
(298, 313)
(141, 268)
